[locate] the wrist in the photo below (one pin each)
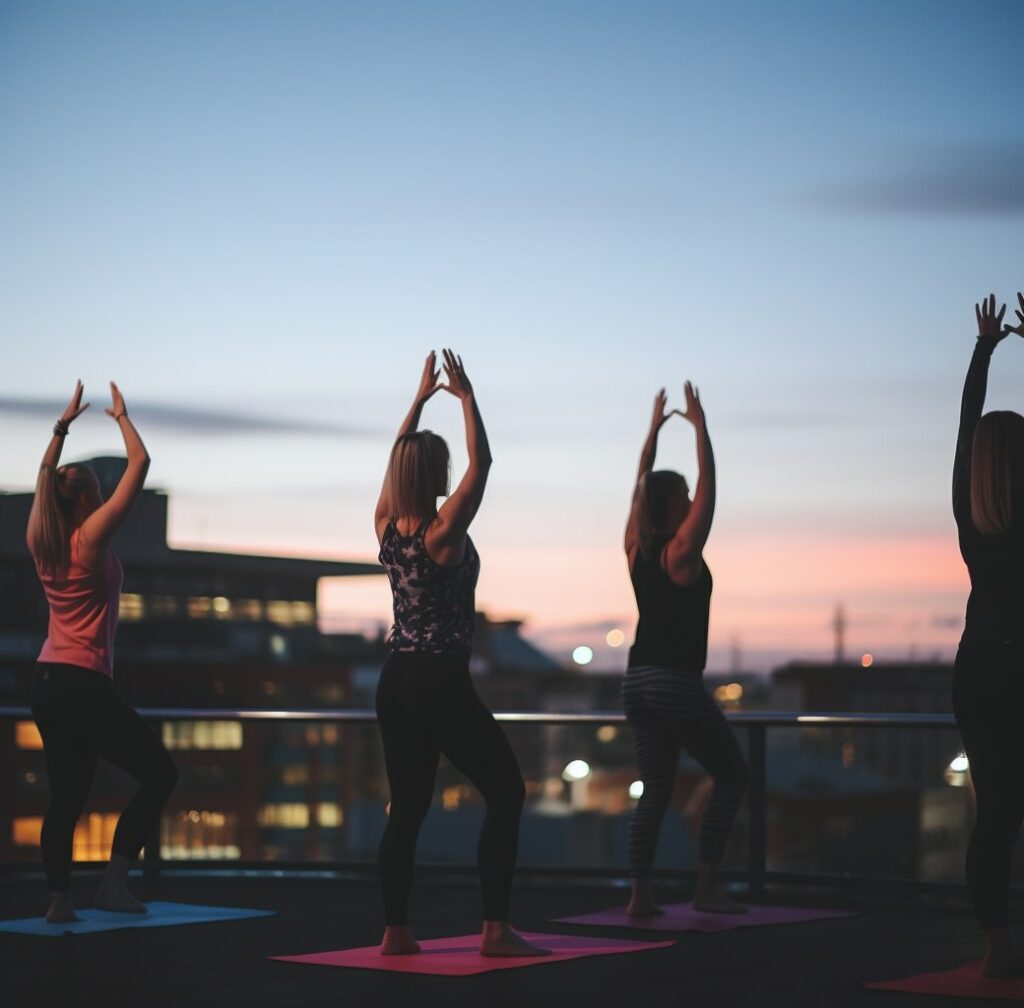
(61, 427)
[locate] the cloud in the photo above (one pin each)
(193, 420)
(978, 180)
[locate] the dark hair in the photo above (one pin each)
(997, 471)
(57, 492)
(657, 503)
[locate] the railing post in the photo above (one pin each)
(758, 790)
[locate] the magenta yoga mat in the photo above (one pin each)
(964, 981)
(460, 956)
(682, 917)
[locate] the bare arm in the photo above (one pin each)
(100, 526)
(448, 534)
(427, 387)
(684, 553)
(973, 401)
(51, 457)
(647, 456)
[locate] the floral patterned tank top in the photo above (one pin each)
(434, 605)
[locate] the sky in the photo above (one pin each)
(258, 217)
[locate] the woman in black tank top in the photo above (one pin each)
(988, 678)
(664, 697)
(426, 703)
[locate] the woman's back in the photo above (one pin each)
(434, 605)
(672, 629)
(995, 608)
(84, 604)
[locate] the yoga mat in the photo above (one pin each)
(160, 915)
(964, 981)
(461, 956)
(682, 917)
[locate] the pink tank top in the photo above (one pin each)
(84, 604)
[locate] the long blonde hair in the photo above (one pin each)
(57, 493)
(997, 469)
(657, 504)
(419, 471)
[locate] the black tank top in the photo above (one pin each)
(672, 630)
(433, 605)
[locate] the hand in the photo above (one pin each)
(458, 383)
(694, 412)
(659, 416)
(989, 323)
(1019, 312)
(428, 380)
(117, 407)
(74, 409)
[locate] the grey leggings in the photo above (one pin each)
(669, 710)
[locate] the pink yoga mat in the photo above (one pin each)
(461, 956)
(965, 981)
(682, 917)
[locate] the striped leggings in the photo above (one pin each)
(669, 710)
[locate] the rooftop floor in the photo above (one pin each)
(814, 964)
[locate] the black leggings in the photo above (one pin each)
(988, 694)
(81, 718)
(426, 705)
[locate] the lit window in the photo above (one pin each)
(26, 830)
(303, 613)
(248, 609)
(295, 774)
(452, 797)
(280, 612)
(133, 608)
(286, 815)
(221, 607)
(198, 606)
(607, 733)
(163, 605)
(329, 814)
(26, 735)
(729, 692)
(179, 735)
(199, 834)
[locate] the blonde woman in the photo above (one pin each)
(79, 715)
(988, 679)
(426, 703)
(663, 693)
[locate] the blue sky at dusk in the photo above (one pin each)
(258, 218)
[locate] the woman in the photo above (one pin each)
(988, 685)
(663, 693)
(426, 704)
(79, 715)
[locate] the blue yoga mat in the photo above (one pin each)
(160, 915)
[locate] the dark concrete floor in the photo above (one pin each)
(815, 964)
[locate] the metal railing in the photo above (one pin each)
(755, 723)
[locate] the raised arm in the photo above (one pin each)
(647, 456)
(100, 526)
(48, 467)
(460, 508)
(990, 332)
(427, 387)
(684, 553)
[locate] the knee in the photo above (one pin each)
(509, 798)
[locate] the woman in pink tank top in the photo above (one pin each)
(79, 715)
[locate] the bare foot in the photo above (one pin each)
(118, 902)
(499, 938)
(1002, 961)
(641, 902)
(718, 901)
(61, 911)
(398, 941)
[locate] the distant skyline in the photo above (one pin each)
(258, 218)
